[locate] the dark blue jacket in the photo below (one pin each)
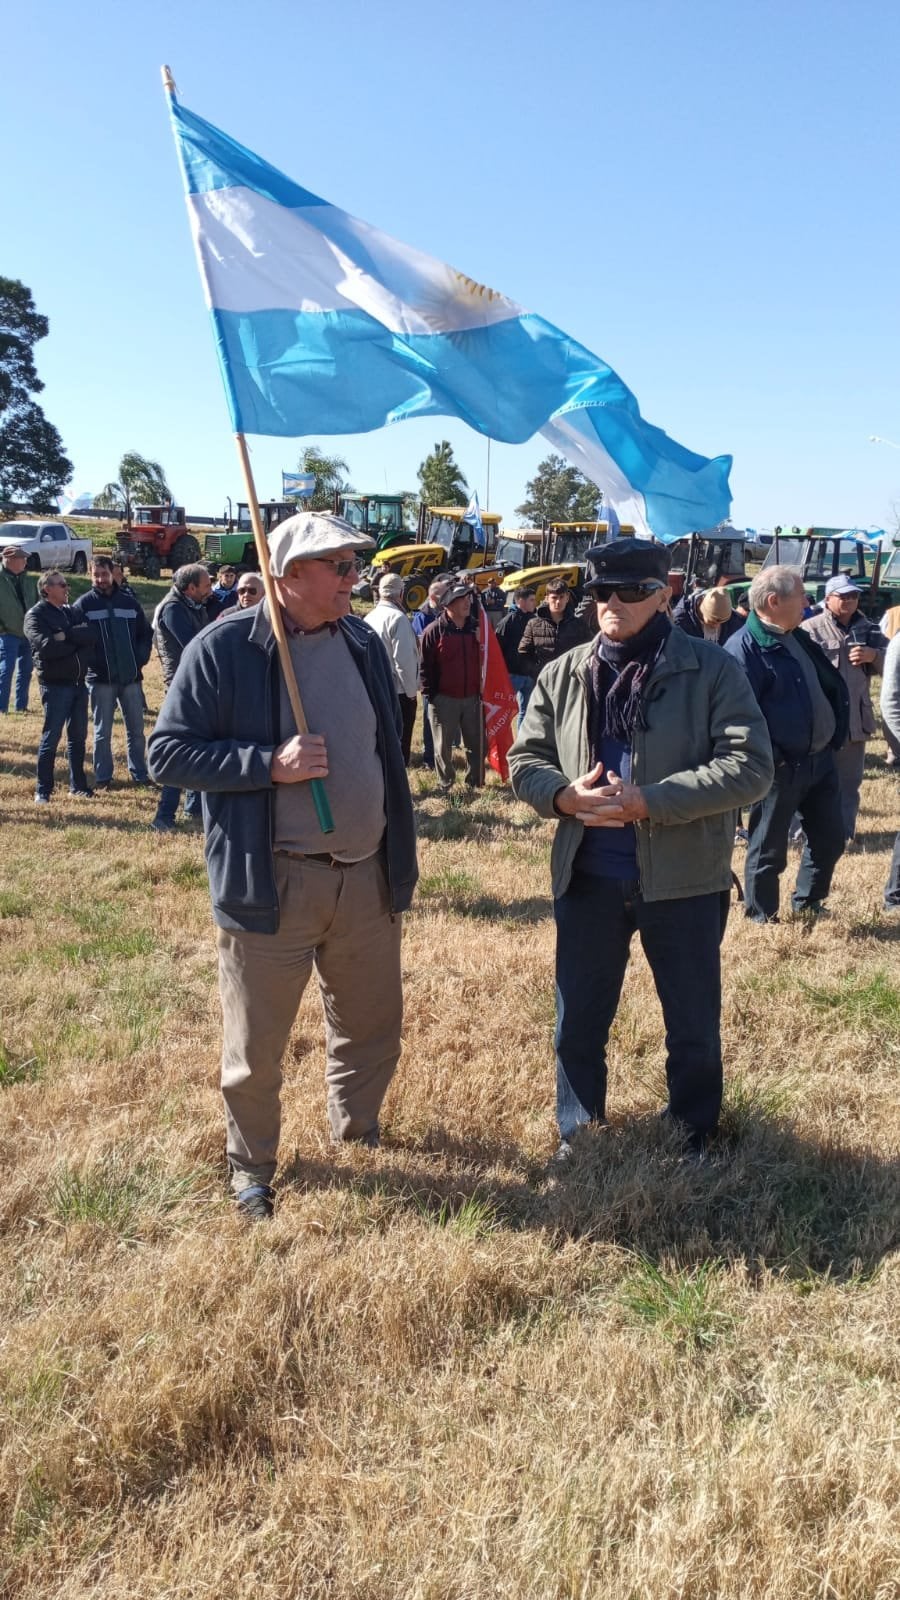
(176, 621)
(780, 688)
(60, 643)
(686, 616)
(121, 634)
(217, 732)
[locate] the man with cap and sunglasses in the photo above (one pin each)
(288, 898)
(643, 744)
(856, 647)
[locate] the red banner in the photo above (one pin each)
(498, 697)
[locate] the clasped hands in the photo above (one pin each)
(300, 758)
(611, 805)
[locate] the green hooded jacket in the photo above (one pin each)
(12, 610)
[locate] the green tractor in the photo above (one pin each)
(236, 546)
(822, 553)
(381, 516)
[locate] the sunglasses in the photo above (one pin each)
(340, 568)
(630, 594)
(248, 588)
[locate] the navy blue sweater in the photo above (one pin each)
(217, 732)
(780, 688)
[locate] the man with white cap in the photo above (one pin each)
(857, 648)
(286, 897)
(395, 630)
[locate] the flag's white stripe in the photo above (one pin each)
(588, 454)
(259, 256)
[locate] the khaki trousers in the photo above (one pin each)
(450, 717)
(336, 920)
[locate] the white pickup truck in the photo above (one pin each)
(47, 545)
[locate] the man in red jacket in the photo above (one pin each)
(451, 678)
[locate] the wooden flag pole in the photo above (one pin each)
(317, 785)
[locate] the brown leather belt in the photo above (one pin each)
(324, 856)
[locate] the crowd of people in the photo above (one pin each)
(644, 733)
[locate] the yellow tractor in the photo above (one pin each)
(445, 543)
(558, 552)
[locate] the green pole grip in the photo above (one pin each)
(320, 801)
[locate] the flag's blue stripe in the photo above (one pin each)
(213, 161)
(292, 373)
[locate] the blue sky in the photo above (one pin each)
(703, 193)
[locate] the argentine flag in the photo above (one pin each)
(472, 515)
(325, 325)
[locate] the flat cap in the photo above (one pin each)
(391, 583)
(310, 534)
(626, 561)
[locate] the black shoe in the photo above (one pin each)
(143, 783)
(256, 1203)
(101, 787)
(82, 794)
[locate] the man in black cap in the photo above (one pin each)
(675, 743)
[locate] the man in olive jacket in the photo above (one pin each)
(18, 593)
(643, 744)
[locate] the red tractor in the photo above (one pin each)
(155, 538)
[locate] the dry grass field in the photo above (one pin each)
(439, 1374)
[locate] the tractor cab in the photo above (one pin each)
(559, 551)
(156, 538)
(447, 526)
(822, 553)
(158, 517)
(378, 515)
(704, 560)
(271, 511)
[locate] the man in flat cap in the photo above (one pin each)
(451, 680)
(643, 743)
(286, 897)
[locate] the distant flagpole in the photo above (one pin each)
(317, 786)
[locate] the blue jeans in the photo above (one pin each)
(523, 687)
(427, 735)
(595, 921)
(104, 697)
(14, 651)
(810, 787)
(892, 887)
(169, 796)
(65, 706)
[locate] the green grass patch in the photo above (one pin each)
(870, 1002)
(683, 1305)
(12, 1071)
(449, 886)
(470, 1216)
(746, 1104)
(110, 947)
(12, 904)
(189, 875)
(117, 1192)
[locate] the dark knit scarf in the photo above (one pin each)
(619, 676)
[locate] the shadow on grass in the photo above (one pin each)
(870, 842)
(768, 1198)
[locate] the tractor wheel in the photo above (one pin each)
(79, 565)
(416, 594)
(184, 552)
(151, 567)
(33, 563)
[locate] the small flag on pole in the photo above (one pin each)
(472, 515)
(298, 485)
(324, 324)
